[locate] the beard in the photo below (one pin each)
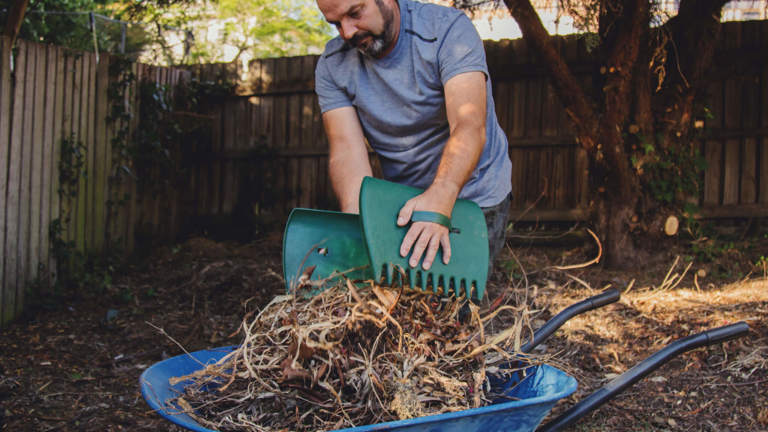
(376, 43)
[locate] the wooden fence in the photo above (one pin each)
(52, 96)
(267, 152)
(273, 149)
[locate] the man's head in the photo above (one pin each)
(371, 26)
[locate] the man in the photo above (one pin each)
(411, 79)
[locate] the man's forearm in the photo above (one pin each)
(346, 176)
(465, 100)
(459, 159)
(348, 159)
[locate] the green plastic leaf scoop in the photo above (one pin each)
(319, 246)
(467, 271)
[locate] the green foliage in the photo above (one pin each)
(72, 31)
(67, 23)
(179, 31)
(263, 28)
(167, 118)
(762, 262)
(150, 149)
(670, 173)
(71, 166)
(710, 249)
(75, 269)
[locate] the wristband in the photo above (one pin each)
(428, 216)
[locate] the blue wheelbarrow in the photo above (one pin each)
(527, 397)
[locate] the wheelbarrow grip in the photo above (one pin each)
(606, 297)
(642, 369)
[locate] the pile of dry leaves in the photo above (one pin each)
(352, 356)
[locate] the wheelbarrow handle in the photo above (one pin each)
(639, 371)
(606, 297)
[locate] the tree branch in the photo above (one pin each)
(15, 18)
(694, 30)
(577, 105)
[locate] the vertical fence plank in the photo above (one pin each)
(177, 187)
(763, 170)
(267, 114)
(713, 149)
(78, 133)
(58, 125)
(750, 121)
(516, 155)
(67, 87)
(516, 120)
(130, 218)
(581, 174)
(749, 164)
(102, 159)
(228, 145)
(501, 103)
(14, 271)
(763, 167)
(547, 175)
(92, 155)
(214, 201)
(550, 121)
(5, 139)
(36, 171)
(47, 168)
(293, 128)
(534, 107)
(534, 179)
(203, 170)
(11, 270)
(559, 182)
(731, 172)
(159, 194)
(25, 191)
(318, 131)
(85, 136)
(713, 154)
(732, 151)
(324, 194)
(307, 101)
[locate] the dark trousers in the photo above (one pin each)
(496, 217)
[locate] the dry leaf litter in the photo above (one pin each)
(352, 356)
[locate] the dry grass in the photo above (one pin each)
(353, 356)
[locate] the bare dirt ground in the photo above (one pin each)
(75, 366)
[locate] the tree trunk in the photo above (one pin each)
(578, 106)
(608, 126)
(612, 220)
(15, 18)
(622, 34)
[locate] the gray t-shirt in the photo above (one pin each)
(401, 104)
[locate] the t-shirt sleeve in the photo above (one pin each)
(461, 50)
(329, 94)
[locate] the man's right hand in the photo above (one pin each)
(425, 238)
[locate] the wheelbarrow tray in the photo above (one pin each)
(535, 391)
(534, 396)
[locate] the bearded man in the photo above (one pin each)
(412, 80)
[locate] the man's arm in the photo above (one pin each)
(348, 160)
(465, 101)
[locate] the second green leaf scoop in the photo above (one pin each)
(467, 271)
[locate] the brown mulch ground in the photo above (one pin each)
(75, 366)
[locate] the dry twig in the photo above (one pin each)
(353, 355)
